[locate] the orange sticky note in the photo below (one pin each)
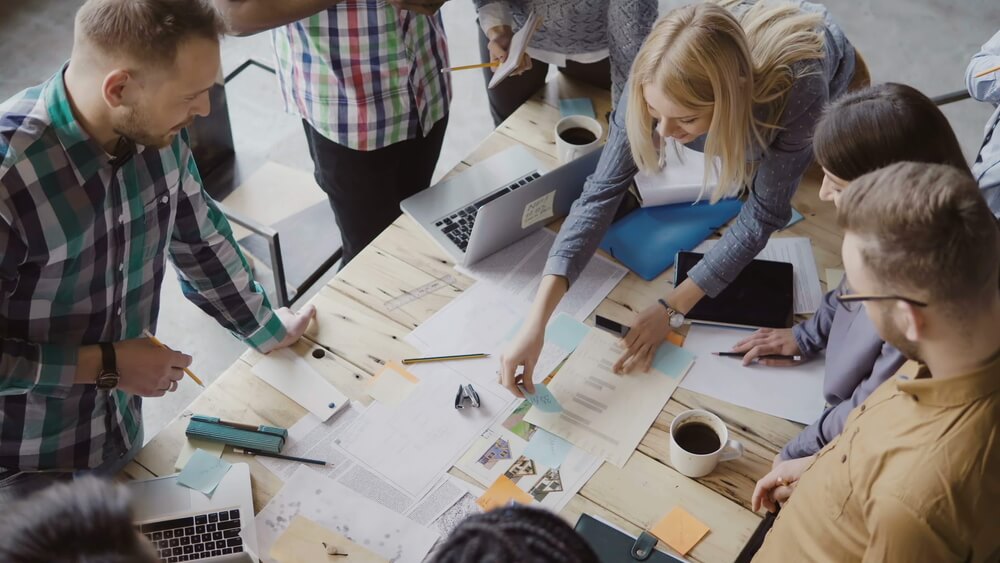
(680, 530)
(502, 493)
(675, 338)
(392, 385)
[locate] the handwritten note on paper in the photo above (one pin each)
(680, 530)
(538, 210)
(547, 448)
(542, 398)
(502, 493)
(392, 385)
(203, 472)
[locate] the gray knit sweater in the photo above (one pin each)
(584, 26)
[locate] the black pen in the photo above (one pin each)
(764, 357)
(278, 456)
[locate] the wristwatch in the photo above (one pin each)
(108, 378)
(676, 317)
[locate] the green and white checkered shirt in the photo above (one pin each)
(83, 245)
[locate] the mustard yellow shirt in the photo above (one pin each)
(915, 476)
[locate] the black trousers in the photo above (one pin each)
(365, 187)
(515, 90)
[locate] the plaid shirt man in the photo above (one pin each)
(83, 244)
(365, 74)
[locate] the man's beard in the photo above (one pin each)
(133, 126)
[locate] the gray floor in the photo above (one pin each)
(925, 43)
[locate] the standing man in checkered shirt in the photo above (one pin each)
(98, 187)
(365, 76)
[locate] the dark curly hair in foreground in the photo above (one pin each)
(525, 535)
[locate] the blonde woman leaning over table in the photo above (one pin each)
(742, 81)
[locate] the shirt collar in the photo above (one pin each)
(953, 391)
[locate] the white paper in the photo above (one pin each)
(338, 508)
(417, 441)
(794, 392)
(796, 251)
(604, 413)
(438, 501)
(287, 372)
(538, 210)
(518, 46)
(679, 180)
(518, 269)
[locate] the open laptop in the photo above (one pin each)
(186, 525)
(497, 202)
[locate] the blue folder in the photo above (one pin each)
(648, 239)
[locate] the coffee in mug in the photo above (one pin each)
(578, 136)
(699, 440)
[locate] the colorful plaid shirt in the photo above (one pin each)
(365, 74)
(83, 245)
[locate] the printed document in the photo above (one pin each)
(681, 179)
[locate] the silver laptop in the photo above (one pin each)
(187, 525)
(497, 202)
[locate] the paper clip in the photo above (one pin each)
(466, 393)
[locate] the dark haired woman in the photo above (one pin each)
(861, 132)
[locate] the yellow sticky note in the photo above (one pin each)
(502, 493)
(305, 541)
(392, 385)
(192, 444)
(680, 530)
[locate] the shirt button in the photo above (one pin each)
(121, 267)
(863, 408)
(119, 310)
(164, 199)
(843, 458)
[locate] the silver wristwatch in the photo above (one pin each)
(676, 317)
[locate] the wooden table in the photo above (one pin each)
(355, 322)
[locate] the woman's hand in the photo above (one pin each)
(769, 341)
(499, 46)
(523, 352)
(649, 330)
(778, 485)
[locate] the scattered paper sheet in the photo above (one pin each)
(392, 385)
(518, 270)
(438, 501)
(502, 493)
(292, 375)
(337, 508)
(679, 530)
(796, 251)
(305, 541)
(518, 46)
(793, 392)
(538, 210)
(191, 444)
(465, 507)
(547, 448)
(604, 413)
(679, 180)
(542, 398)
(203, 472)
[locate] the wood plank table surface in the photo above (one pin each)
(354, 320)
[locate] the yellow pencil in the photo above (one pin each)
(987, 71)
(156, 341)
(409, 361)
(470, 67)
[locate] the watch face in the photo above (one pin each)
(676, 320)
(107, 380)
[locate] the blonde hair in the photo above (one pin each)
(701, 56)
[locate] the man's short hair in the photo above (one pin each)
(931, 234)
(147, 30)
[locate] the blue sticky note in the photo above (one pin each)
(566, 332)
(543, 399)
(672, 360)
(547, 448)
(796, 217)
(576, 106)
(203, 472)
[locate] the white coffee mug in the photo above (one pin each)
(571, 151)
(699, 465)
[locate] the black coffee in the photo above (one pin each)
(578, 136)
(697, 438)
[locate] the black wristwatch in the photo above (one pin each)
(108, 378)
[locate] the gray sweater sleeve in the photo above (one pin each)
(629, 22)
(768, 207)
(813, 334)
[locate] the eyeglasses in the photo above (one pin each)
(859, 298)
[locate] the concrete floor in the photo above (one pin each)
(925, 43)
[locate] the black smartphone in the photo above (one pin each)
(611, 326)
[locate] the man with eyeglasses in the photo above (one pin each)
(913, 476)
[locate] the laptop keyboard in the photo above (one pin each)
(458, 225)
(196, 537)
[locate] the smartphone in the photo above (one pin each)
(611, 326)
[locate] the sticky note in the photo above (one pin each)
(203, 472)
(547, 449)
(502, 493)
(566, 332)
(576, 106)
(796, 217)
(192, 444)
(392, 385)
(675, 338)
(679, 530)
(543, 399)
(538, 210)
(672, 361)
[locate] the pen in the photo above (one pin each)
(156, 341)
(469, 67)
(987, 71)
(764, 357)
(409, 361)
(245, 451)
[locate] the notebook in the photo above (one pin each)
(615, 546)
(760, 296)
